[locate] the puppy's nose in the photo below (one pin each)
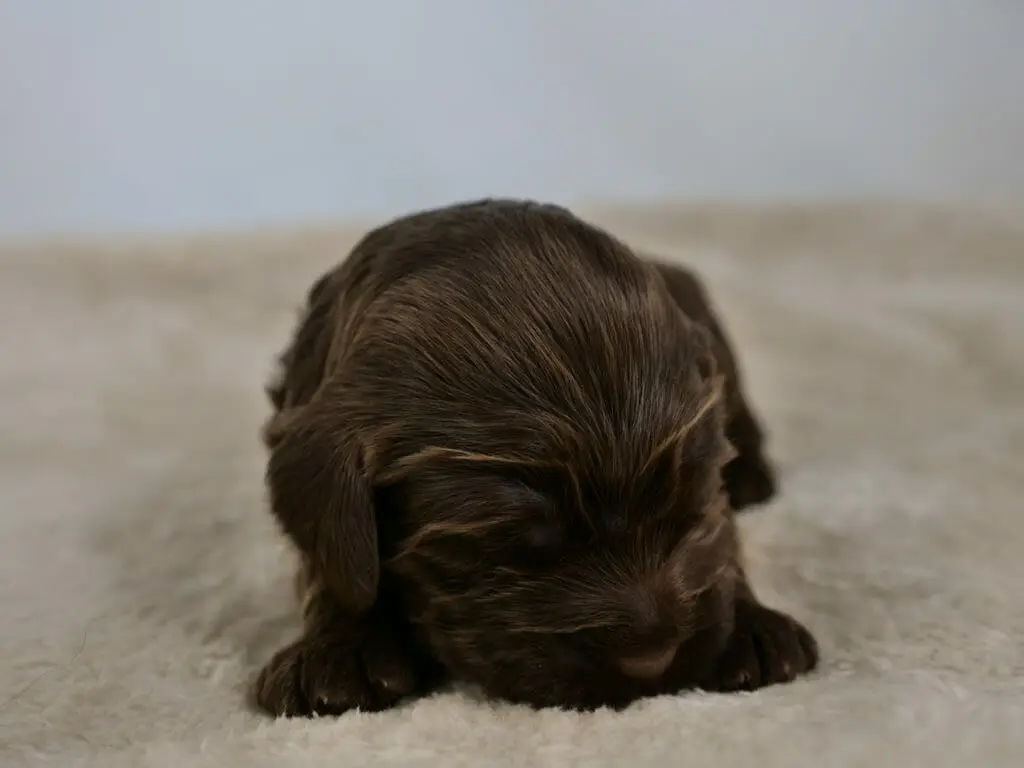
(650, 663)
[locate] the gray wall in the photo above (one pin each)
(149, 114)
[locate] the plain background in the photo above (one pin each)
(145, 115)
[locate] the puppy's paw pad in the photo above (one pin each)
(767, 647)
(327, 676)
(749, 480)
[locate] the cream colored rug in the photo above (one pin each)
(142, 583)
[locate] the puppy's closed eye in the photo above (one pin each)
(534, 527)
(544, 535)
(522, 498)
(614, 520)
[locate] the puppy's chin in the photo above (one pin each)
(565, 671)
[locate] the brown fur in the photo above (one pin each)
(509, 450)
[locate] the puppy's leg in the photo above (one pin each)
(749, 477)
(340, 662)
(355, 650)
(765, 647)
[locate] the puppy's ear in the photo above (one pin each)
(320, 493)
(704, 350)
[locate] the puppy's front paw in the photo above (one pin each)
(329, 675)
(749, 480)
(766, 647)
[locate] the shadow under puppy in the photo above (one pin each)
(509, 449)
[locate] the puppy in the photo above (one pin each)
(508, 450)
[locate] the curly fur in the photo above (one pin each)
(510, 444)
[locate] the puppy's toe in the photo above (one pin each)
(387, 667)
(278, 690)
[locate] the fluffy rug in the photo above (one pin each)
(142, 582)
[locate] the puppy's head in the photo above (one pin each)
(541, 431)
(575, 548)
(563, 582)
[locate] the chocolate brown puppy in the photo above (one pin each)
(509, 450)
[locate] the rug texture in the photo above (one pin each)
(142, 582)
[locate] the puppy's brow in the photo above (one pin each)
(440, 529)
(437, 452)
